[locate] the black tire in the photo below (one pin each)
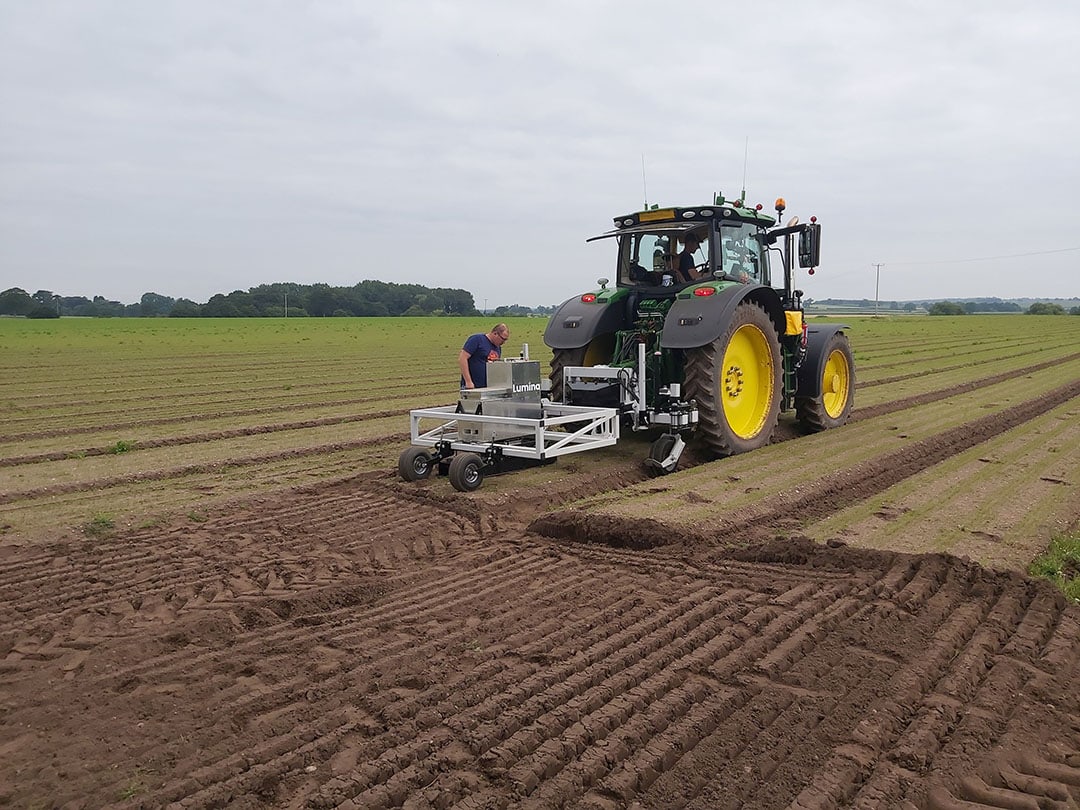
(832, 406)
(414, 464)
(560, 359)
(595, 352)
(737, 382)
(658, 452)
(466, 471)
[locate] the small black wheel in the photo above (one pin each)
(414, 464)
(660, 450)
(466, 472)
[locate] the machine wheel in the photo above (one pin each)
(737, 383)
(414, 464)
(658, 452)
(832, 407)
(466, 472)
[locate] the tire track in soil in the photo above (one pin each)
(994, 360)
(1007, 343)
(197, 469)
(811, 501)
(478, 668)
(216, 413)
(962, 388)
(201, 438)
(514, 672)
(222, 563)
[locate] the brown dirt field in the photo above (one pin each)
(373, 644)
(361, 642)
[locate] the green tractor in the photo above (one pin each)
(700, 339)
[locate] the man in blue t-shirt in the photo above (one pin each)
(478, 351)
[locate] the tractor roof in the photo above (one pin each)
(682, 219)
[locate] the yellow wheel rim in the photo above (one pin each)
(746, 381)
(836, 384)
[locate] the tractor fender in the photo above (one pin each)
(575, 323)
(808, 379)
(698, 320)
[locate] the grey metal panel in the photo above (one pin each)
(520, 377)
(575, 323)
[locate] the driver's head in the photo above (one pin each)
(691, 240)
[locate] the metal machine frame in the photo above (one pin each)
(534, 439)
(467, 445)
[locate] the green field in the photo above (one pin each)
(129, 420)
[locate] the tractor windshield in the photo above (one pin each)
(741, 255)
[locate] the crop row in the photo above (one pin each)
(126, 417)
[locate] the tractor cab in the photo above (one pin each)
(668, 249)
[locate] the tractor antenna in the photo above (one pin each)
(644, 186)
(746, 152)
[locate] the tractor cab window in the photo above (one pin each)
(741, 253)
(652, 259)
(645, 258)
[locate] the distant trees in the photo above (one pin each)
(46, 305)
(1039, 308)
(16, 302)
(368, 299)
(152, 305)
(947, 308)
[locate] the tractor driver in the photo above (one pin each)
(478, 351)
(686, 262)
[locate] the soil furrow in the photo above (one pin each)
(808, 502)
(197, 469)
(200, 438)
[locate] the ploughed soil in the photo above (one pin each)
(373, 644)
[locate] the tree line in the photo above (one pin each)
(367, 299)
(970, 307)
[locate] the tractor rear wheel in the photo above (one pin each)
(737, 383)
(597, 351)
(832, 406)
(560, 359)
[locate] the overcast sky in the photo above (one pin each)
(191, 147)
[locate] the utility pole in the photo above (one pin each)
(877, 286)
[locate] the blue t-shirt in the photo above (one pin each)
(481, 351)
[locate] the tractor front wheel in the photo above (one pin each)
(832, 406)
(737, 383)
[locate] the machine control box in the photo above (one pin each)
(513, 390)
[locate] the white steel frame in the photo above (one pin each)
(538, 439)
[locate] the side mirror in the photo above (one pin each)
(810, 246)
